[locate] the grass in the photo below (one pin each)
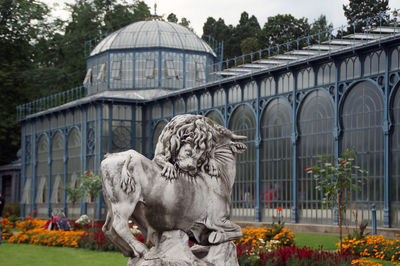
(328, 242)
(21, 254)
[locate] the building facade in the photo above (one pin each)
(293, 105)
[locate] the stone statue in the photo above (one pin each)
(183, 193)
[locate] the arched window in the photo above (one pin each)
(235, 94)
(374, 63)
(285, 82)
(362, 117)
(179, 106)
(219, 97)
(74, 154)
(276, 158)
(315, 124)
(350, 68)
(395, 166)
(42, 170)
(192, 103)
(250, 91)
(395, 59)
(216, 117)
(305, 78)
(205, 101)
(243, 122)
(267, 87)
(57, 167)
(157, 132)
(326, 74)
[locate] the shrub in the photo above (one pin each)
(12, 208)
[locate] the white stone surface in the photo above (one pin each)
(183, 192)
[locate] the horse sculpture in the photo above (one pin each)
(187, 186)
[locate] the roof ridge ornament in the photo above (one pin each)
(155, 16)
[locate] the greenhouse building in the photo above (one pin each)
(314, 95)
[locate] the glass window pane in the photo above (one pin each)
(243, 122)
(362, 118)
(315, 123)
(276, 159)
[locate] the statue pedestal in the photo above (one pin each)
(173, 250)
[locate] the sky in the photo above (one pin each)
(197, 11)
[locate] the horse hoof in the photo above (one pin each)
(214, 237)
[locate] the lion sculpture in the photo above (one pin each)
(187, 186)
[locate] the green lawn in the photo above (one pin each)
(328, 242)
(21, 254)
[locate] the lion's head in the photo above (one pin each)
(190, 143)
(186, 142)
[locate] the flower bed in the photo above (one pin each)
(375, 246)
(293, 255)
(32, 231)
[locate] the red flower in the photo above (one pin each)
(4, 221)
(279, 209)
(343, 162)
(7, 214)
(307, 169)
(34, 212)
(89, 174)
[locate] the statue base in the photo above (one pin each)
(173, 250)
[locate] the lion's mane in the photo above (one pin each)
(194, 129)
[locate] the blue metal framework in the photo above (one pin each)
(291, 114)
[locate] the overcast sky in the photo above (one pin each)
(197, 11)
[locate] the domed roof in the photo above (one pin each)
(152, 34)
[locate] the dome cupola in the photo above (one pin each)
(149, 55)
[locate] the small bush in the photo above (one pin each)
(12, 208)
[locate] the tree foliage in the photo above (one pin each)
(337, 179)
(281, 29)
(359, 10)
(247, 36)
(40, 56)
(21, 25)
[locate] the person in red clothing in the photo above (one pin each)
(272, 195)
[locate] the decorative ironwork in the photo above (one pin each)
(90, 140)
(121, 137)
(28, 149)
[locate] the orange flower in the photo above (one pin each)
(279, 209)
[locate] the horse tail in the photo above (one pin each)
(127, 181)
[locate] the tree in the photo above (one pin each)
(321, 26)
(249, 45)
(248, 27)
(281, 29)
(359, 10)
(336, 179)
(21, 24)
(172, 18)
(186, 23)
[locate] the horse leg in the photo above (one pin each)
(113, 236)
(121, 214)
